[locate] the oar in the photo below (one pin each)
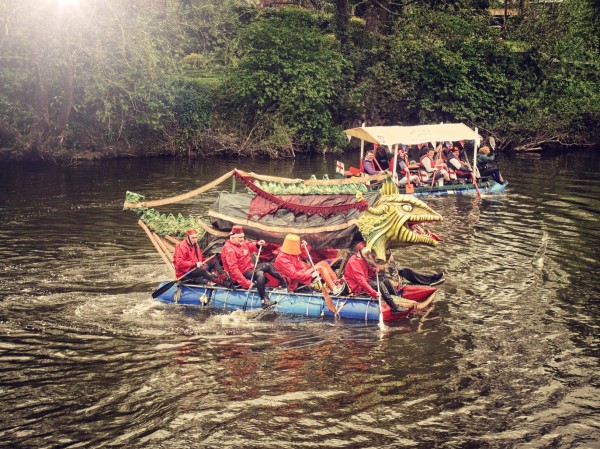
(168, 285)
(377, 163)
(381, 323)
(493, 146)
(326, 296)
(409, 187)
(252, 277)
(473, 176)
(432, 180)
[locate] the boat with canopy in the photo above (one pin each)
(395, 137)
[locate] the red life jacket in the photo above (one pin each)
(236, 261)
(186, 256)
(293, 269)
(357, 275)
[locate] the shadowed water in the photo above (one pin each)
(509, 357)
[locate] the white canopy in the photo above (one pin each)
(410, 135)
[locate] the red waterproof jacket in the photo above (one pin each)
(293, 269)
(236, 261)
(186, 256)
(357, 274)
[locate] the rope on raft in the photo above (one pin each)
(360, 205)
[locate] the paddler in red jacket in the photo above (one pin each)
(359, 273)
(237, 261)
(290, 264)
(188, 256)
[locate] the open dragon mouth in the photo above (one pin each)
(419, 229)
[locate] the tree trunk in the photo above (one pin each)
(67, 104)
(376, 15)
(41, 123)
(343, 19)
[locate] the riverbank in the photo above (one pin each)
(129, 151)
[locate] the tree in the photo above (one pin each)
(287, 81)
(110, 61)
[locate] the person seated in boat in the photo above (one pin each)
(188, 256)
(441, 162)
(403, 170)
(237, 261)
(360, 275)
(430, 168)
(383, 157)
(369, 164)
(483, 165)
(397, 274)
(290, 264)
(458, 166)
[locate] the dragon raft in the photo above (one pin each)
(328, 214)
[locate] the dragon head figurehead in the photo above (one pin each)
(396, 219)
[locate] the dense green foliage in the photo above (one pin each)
(286, 81)
(198, 76)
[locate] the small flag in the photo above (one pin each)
(339, 167)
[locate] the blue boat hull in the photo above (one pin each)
(460, 189)
(300, 304)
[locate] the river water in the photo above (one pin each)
(509, 357)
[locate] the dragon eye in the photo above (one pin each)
(407, 207)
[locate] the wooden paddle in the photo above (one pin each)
(473, 175)
(159, 291)
(326, 296)
(377, 163)
(252, 277)
(381, 323)
(409, 187)
(493, 147)
(432, 180)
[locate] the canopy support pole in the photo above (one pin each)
(394, 174)
(475, 148)
(362, 152)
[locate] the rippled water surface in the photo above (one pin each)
(509, 357)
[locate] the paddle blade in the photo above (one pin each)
(328, 301)
(410, 188)
(159, 291)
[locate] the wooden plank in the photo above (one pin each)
(158, 248)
